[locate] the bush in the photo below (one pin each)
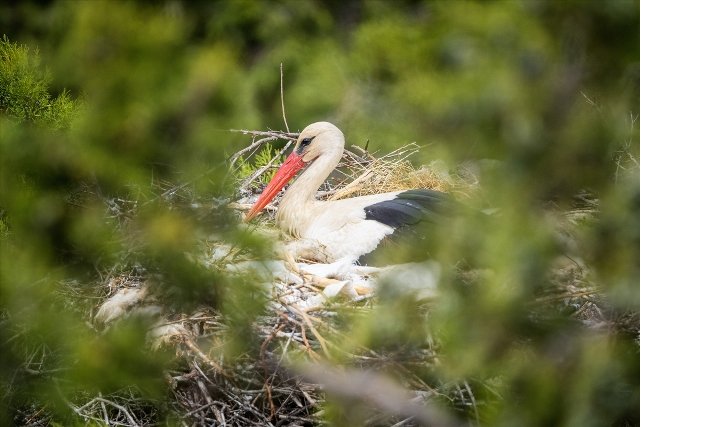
(535, 321)
(24, 90)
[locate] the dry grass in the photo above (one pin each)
(365, 174)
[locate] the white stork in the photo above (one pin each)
(340, 230)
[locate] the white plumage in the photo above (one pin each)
(330, 231)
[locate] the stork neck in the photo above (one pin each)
(295, 204)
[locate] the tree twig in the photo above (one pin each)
(282, 99)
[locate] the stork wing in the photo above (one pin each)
(407, 208)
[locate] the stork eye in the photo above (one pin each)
(305, 142)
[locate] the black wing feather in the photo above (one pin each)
(405, 213)
(408, 208)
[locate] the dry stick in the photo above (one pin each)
(460, 393)
(269, 378)
(217, 411)
(322, 341)
(276, 133)
(282, 99)
(351, 187)
(104, 412)
(308, 347)
(205, 406)
(214, 365)
(269, 396)
(90, 417)
(111, 403)
(472, 400)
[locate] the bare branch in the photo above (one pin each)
(282, 99)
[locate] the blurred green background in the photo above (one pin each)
(117, 100)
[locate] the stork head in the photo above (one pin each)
(316, 140)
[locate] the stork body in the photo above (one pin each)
(339, 230)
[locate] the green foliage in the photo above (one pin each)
(244, 167)
(549, 90)
(24, 90)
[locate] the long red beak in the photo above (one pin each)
(289, 169)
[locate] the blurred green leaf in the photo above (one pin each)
(113, 141)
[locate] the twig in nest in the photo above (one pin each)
(282, 99)
(214, 365)
(267, 133)
(269, 377)
(351, 187)
(303, 334)
(217, 411)
(120, 408)
(472, 400)
(306, 317)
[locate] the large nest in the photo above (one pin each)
(266, 387)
